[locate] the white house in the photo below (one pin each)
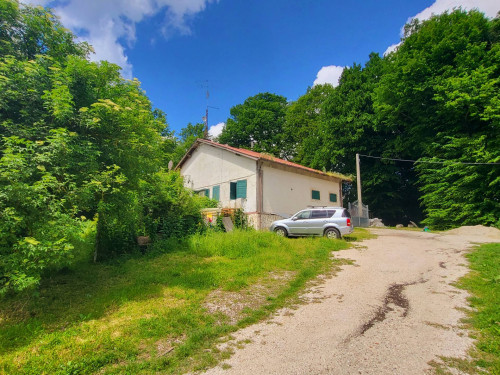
(264, 187)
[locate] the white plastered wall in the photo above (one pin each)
(209, 166)
(287, 192)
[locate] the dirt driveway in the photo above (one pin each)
(391, 312)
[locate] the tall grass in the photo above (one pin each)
(148, 314)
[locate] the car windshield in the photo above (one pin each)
(302, 215)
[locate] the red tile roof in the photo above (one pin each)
(260, 156)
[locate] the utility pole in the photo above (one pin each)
(358, 180)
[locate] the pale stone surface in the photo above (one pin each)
(412, 224)
(376, 223)
(341, 334)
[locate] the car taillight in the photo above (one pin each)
(348, 222)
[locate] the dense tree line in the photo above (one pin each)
(81, 155)
(435, 99)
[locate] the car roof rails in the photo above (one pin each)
(331, 207)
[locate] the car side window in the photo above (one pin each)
(303, 215)
(330, 213)
(319, 214)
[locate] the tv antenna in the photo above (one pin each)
(205, 85)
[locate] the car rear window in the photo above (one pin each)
(346, 214)
(330, 213)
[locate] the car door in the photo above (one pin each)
(297, 225)
(316, 222)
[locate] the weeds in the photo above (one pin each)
(148, 314)
(359, 234)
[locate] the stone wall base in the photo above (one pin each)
(265, 220)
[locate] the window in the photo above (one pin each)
(346, 213)
(203, 192)
(333, 197)
(238, 189)
(232, 190)
(216, 192)
(241, 189)
(331, 213)
(319, 214)
(302, 215)
(315, 195)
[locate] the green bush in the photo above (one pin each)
(80, 155)
(169, 209)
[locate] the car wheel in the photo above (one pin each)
(281, 232)
(332, 233)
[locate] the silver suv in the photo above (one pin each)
(332, 222)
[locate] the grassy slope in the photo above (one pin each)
(148, 314)
(484, 285)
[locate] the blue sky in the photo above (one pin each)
(239, 47)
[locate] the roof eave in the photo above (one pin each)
(213, 144)
(264, 159)
(309, 171)
(187, 155)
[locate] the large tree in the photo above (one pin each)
(436, 96)
(330, 125)
(80, 154)
(257, 124)
(440, 98)
(303, 123)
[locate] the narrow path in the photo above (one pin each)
(392, 312)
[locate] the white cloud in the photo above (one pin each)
(392, 48)
(107, 24)
(216, 130)
(329, 74)
(488, 7)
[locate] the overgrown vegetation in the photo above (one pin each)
(146, 314)
(81, 155)
(436, 98)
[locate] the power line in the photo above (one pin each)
(427, 161)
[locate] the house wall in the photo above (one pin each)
(209, 166)
(286, 192)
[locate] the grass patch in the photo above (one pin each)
(359, 234)
(149, 314)
(483, 283)
(411, 229)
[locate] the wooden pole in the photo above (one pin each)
(358, 181)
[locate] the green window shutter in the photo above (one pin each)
(315, 195)
(241, 189)
(333, 197)
(207, 193)
(232, 190)
(216, 192)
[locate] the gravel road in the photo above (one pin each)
(391, 312)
